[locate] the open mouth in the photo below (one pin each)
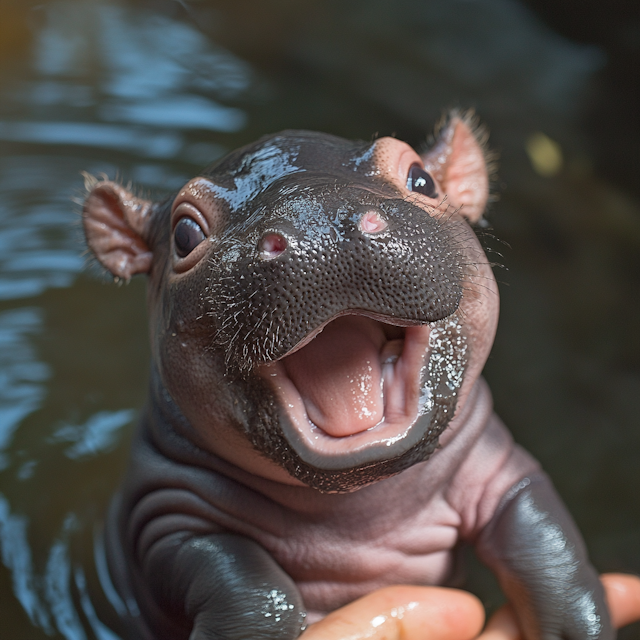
(352, 388)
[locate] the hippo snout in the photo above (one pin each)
(363, 253)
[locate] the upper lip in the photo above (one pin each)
(389, 321)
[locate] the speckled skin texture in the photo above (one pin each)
(320, 313)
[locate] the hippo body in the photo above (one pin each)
(317, 427)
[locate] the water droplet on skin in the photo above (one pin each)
(378, 620)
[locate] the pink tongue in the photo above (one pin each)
(338, 374)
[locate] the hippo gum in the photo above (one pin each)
(317, 427)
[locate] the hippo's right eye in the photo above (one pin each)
(420, 181)
(187, 236)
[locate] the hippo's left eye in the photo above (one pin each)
(420, 181)
(187, 236)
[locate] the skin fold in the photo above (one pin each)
(317, 428)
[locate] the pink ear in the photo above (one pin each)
(458, 162)
(114, 224)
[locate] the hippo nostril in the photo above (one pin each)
(272, 245)
(372, 222)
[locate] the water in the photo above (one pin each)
(149, 92)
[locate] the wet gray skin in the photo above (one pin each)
(263, 308)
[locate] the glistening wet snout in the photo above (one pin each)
(327, 248)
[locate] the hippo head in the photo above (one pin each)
(320, 309)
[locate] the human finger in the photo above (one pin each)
(404, 613)
(623, 597)
(502, 626)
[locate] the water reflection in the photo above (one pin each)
(16, 556)
(98, 434)
(22, 377)
(152, 70)
(146, 91)
(101, 91)
(37, 244)
(135, 140)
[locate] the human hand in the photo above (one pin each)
(436, 613)
(404, 613)
(623, 597)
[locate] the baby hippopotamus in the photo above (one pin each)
(317, 427)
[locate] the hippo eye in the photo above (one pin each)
(187, 236)
(420, 181)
